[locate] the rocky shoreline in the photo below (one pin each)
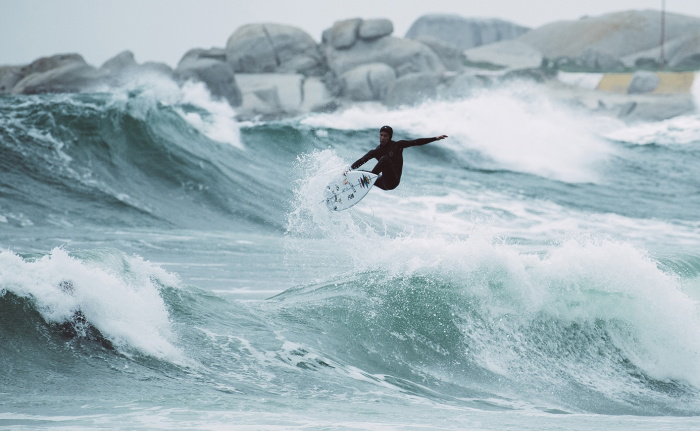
(277, 70)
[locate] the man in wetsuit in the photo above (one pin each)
(390, 157)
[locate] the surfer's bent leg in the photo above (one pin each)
(388, 179)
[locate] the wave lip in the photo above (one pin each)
(118, 296)
(592, 326)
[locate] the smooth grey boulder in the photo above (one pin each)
(509, 54)
(273, 48)
(200, 53)
(70, 78)
(412, 89)
(11, 76)
(316, 97)
(156, 67)
(343, 34)
(123, 68)
(616, 34)
(375, 28)
(45, 64)
(643, 82)
(61, 73)
(345, 50)
(452, 58)
(120, 62)
(215, 74)
(403, 55)
(368, 82)
(464, 33)
(276, 95)
(270, 94)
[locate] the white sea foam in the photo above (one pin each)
(682, 130)
(462, 210)
(584, 282)
(310, 216)
(583, 279)
(517, 128)
(118, 295)
(218, 123)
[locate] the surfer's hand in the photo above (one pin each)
(438, 138)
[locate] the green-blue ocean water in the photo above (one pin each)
(165, 266)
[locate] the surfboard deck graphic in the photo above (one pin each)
(348, 189)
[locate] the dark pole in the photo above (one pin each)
(663, 31)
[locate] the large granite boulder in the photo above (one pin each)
(44, 64)
(403, 55)
(200, 53)
(368, 82)
(344, 34)
(119, 63)
(464, 33)
(10, 76)
(273, 48)
(273, 95)
(63, 73)
(269, 94)
(614, 40)
(123, 67)
(345, 48)
(210, 67)
(375, 28)
(452, 58)
(66, 79)
(509, 54)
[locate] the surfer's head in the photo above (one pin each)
(385, 134)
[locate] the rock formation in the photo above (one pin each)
(618, 40)
(464, 33)
(275, 70)
(273, 48)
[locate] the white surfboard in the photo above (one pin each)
(348, 189)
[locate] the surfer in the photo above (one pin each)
(390, 157)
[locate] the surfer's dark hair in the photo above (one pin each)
(387, 129)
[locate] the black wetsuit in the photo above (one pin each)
(390, 161)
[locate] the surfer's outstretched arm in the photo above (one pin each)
(421, 141)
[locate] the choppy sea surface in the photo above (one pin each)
(165, 266)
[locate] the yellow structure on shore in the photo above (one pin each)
(669, 82)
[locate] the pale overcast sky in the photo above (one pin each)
(163, 30)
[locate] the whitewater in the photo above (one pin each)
(165, 265)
